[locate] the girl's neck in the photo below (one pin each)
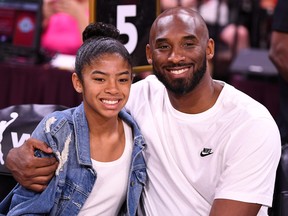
(107, 141)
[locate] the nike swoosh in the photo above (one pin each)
(204, 154)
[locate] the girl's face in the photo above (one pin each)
(106, 85)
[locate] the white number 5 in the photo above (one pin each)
(126, 27)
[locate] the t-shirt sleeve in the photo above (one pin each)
(252, 158)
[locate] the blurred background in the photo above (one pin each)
(39, 40)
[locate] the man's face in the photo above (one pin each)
(178, 52)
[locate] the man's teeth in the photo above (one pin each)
(178, 71)
(110, 101)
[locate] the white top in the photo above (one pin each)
(230, 151)
(109, 191)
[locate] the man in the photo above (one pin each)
(211, 150)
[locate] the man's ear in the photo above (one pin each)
(148, 54)
(210, 49)
(77, 84)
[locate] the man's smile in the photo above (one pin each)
(179, 71)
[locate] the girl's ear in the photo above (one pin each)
(77, 83)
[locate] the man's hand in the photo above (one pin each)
(31, 172)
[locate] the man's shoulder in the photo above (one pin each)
(150, 80)
(148, 86)
(145, 93)
(243, 103)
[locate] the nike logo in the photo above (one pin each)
(205, 152)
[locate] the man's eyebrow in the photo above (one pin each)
(159, 40)
(187, 37)
(190, 37)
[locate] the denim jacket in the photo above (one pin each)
(67, 134)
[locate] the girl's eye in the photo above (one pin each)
(99, 79)
(123, 80)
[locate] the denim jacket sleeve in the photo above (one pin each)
(21, 201)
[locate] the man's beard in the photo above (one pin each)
(182, 86)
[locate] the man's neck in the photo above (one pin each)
(202, 98)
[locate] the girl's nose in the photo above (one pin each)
(111, 88)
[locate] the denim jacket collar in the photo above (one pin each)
(81, 128)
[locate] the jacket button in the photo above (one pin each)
(132, 183)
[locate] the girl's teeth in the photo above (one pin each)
(110, 101)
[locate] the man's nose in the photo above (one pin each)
(177, 55)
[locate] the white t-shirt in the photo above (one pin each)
(230, 151)
(109, 191)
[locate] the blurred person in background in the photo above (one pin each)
(63, 24)
(278, 54)
(227, 23)
(166, 4)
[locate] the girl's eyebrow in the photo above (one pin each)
(98, 72)
(103, 73)
(123, 73)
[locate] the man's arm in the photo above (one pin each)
(278, 52)
(224, 207)
(256, 156)
(31, 172)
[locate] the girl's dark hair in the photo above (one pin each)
(99, 39)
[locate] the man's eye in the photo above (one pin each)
(189, 45)
(162, 46)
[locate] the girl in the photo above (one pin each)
(92, 142)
